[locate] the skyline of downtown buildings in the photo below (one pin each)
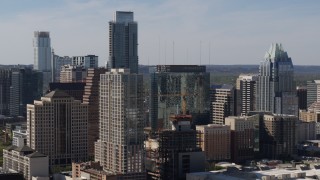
(174, 89)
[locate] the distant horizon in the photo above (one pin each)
(173, 64)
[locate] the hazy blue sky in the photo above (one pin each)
(236, 31)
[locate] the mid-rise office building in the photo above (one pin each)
(246, 93)
(313, 92)
(42, 56)
(275, 87)
(5, 83)
(71, 73)
(279, 135)
(175, 89)
(174, 152)
(27, 161)
(91, 97)
(302, 97)
(26, 86)
(242, 137)
(312, 114)
(123, 42)
(57, 127)
(88, 61)
(57, 63)
(305, 131)
(121, 136)
(215, 141)
(223, 103)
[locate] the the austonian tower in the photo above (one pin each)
(123, 42)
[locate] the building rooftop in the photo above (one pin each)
(223, 86)
(35, 155)
(57, 94)
(23, 149)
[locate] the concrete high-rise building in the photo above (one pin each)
(215, 141)
(175, 89)
(123, 42)
(71, 73)
(88, 61)
(242, 137)
(246, 93)
(43, 56)
(313, 92)
(275, 87)
(57, 63)
(57, 127)
(5, 83)
(278, 135)
(222, 102)
(120, 144)
(91, 97)
(302, 97)
(26, 86)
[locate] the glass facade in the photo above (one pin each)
(178, 89)
(275, 87)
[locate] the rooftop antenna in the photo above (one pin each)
(187, 53)
(173, 52)
(159, 50)
(209, 53)
(165, 52)
(200, 51)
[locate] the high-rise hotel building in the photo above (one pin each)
(120, 145)
(57, 126)
(123, 42)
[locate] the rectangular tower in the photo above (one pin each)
(175, 89)
(246, 93)
(120, 143)
(57, 127)
(91, 97)
(26, 86)
(42, 56)
(123, 42)
(5, 83)
(222, 102)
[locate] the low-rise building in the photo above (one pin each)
(72, 73)
(27, 161)
(19, 137)
(242, 137)
(215, 141)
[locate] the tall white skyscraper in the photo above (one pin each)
(120, 145)
(42, 56)
(42, 51)
(123, 42)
